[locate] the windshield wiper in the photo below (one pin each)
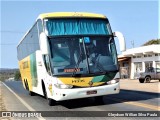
(99, 66)
(77, 64)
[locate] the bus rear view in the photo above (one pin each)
(76, 57)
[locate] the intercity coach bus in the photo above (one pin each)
(70, 55)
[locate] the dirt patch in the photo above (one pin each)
(2, 105)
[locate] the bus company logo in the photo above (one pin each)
(25, 64)
(90, 83)
(78, 81)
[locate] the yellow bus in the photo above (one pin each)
(70, 55)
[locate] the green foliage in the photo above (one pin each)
(17, 75)
(151, 42)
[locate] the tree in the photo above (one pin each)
(17, 75)
(151, 42)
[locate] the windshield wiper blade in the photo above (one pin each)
(77, 64)
(97, 64)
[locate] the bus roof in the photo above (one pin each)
(66, 15)
(70, 15)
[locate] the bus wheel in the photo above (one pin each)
(141, 80)
(27, 87)
(51, 102)
(99, 99)
(26, 84)
(147, 79)
(31, 93)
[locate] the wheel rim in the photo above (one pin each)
(147, 79)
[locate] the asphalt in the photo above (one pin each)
(134, 96)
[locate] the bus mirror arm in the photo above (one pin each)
(44, 44)
(121, 39)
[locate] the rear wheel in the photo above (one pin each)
(141, 80)
(27, 88)
(147, 79)
(31, 93)
(26, 84)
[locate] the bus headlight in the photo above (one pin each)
(113, 81)
(63, 86)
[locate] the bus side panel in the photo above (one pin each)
(33, 70)
(24, 66)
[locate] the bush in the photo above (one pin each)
(17, 75)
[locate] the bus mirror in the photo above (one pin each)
(44, 44)
(121, 39)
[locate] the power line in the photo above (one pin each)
(9, 44)
(9, 31)
(16, 43)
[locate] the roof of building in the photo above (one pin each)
(70, 14)
(142, 50)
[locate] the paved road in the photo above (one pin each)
(128, 100)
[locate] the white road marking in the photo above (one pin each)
(23, 102)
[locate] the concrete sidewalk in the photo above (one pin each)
(153, 86)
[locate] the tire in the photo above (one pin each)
(27, 88)
(141, 80)
(26, 84)
(147, 79)
(99, 99)
(31, 93)
(51, 102)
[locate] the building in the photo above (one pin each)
(136, 60)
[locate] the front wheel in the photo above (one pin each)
(147, 79)
(141, 80)
(31, 93)
(51, 102)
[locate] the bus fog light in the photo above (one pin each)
(63, 86)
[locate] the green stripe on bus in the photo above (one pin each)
(33, 69)
(104, 78)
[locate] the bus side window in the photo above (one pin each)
(47, 64)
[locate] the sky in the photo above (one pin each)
(137, 20)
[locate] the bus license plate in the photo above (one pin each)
(92, 92)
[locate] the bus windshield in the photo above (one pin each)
(82, 54)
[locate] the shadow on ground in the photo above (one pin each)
(124, 95)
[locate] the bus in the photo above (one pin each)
(70, 55)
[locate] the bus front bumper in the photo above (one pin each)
(75, 93)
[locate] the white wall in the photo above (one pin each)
(143, 59)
